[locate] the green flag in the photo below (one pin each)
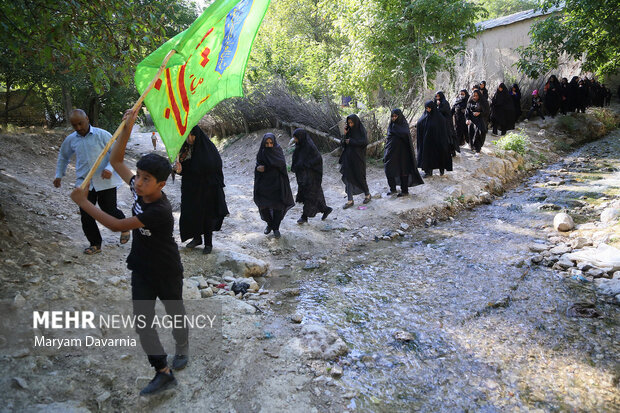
(208, 67)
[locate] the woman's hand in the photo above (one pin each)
(177, 167)
(260, 168)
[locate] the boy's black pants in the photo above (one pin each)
(144, 291)
(107, 202)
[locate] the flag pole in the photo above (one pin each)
(137, 105)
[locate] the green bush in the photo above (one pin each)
(514, 141)
(606, 117)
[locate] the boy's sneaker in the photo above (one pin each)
(179, 362)
(162, 381)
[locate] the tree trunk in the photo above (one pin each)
(7, 98)
(67, 102)
(94, 107)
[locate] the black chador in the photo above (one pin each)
(308, 167)
(433, 141)
(353, 160)
(272, 188)
(502, 110)
(458, 111)
(399, 161)
(476, 113)
(515, 94)
(553, 96)
(444, 108)
(203, 203)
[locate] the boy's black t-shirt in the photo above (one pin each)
(154, 251)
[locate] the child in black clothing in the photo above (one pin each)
(154, 258)
(536, 106)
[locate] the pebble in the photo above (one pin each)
(404, 226)
(336, 371)
(563, 222)
(19, 383)
(538, 247)
(206, 292)
(296, 318)
(595, 273)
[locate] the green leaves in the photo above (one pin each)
(587, 29)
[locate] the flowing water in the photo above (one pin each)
(484, 330)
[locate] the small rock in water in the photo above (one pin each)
(336, 371)
(560, 249)
(596, 273)
(536, 259)
(538, 247)
(311, 265)
(563, 222)
(549, 207)
(19, 383)
(297, 318)
(404, 226)
(485, 197)
(404, 336)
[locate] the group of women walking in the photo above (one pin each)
(440, 132)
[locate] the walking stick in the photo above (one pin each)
(138, 103)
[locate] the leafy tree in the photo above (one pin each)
(587, 30)
(88, 44)
(499, 8)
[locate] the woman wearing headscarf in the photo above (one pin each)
(581, 99)
(484, 90)
(399, 161)
(573, 87)
(308, 167)
(353, 160)
(203, 203)
(552, 97)
(564, 92)
(272, 188)
(458, 111)
(476, 112)
(502, 110)
(433, 141)
(444, 108)
(515, 94)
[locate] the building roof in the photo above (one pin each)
(516, 17)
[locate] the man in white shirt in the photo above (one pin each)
(86, 143)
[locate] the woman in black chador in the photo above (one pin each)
(308, 167)
(502, 110)
(444, 108)
(203, 203)
(515, 94)
(476, 113)
(433, 141)
(458, 110)
(353, 160)
(272, 188)
(399, 162)
(552, 96)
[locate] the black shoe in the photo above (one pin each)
(326, 213)
(401, 194)
(207, 249)
(276, 233)
(302, 220)
(392, 192)
(194, 243)
(179, 362)
(441, 171)
(267, 230)
(160, 382)
(427, 174)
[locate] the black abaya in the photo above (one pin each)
(502, 110)
(478, 126)
(308, 167)
(444, 108)
(398, 159)
(203, 202)
(272, 188)
(433, 141)
(353, 159)
(458, 110)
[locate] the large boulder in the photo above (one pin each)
(603, 256)
(610, 214)
(239, 263)
(563, 222)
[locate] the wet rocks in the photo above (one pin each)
(560, 249)
(608, 287)
(404, 336)
(485, 197)
(610, 214)
(322, 343)
(297, 318)
(538, 247)
(563, 222)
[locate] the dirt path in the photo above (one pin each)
(262, 365)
